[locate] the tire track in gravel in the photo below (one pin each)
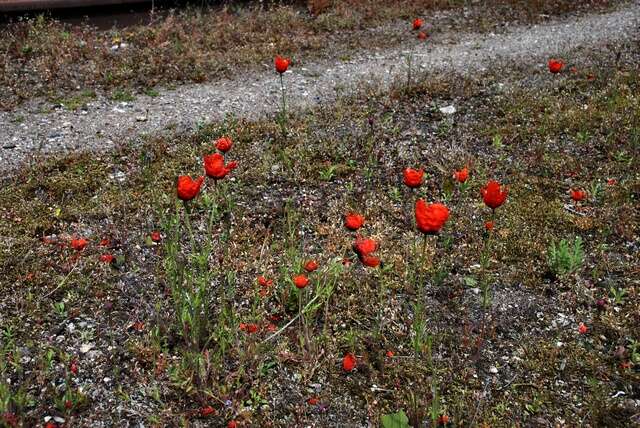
(27, 133)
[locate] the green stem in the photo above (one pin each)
(283, 114)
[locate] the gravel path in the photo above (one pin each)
(30, 131)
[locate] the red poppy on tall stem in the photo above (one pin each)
(461, 175)
(578, 195)
(364, 247)
(412, 177)
(215, 168)
(417, 23)
(282, 64)
(430, 217)
(555, 66)
(188, 188)
(369, 260)
(107, 258)
(353, 221)
(300, 281)
(349, 362)
(264, 282)
(79, 244)
(311, 265)
(494, 194)
(224, 144)
(156, 236)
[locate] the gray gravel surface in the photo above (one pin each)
(35, 128)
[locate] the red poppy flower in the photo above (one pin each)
(430, 217)
(493, 194)
(489, 225)
(104, 242)
(422, 35)
(207, 411)
(555, 66)
(364, 247)
(390, 354)
(578, 195)
(232, 424)
(249, 328)
(79, 244)
(313, 401)
(417, 23)
(107, 258)
(413, 177)
(51, 424)
(370, 261)
(462, 175)
(582, 328)
(189, 188)
(282, 64)
(612, 182)
(215, 168)
(155, 236)
(224, 144)
(264, 282)
(443, 420)
(311, 265)
(73, 367)
(353, 221)
(300, 281)
(349, 362)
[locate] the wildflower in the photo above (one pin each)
(578, 195)
(349, 362)
(582, 328)
(494, 194)
(353, 221)
(232, 424)
(68, 404)
(364, 247)
(51, 424)
(311, 265)
(224, 144)
(443, 420)
(422, 35)
(430, 217)
(625, 365)
(215, 168)
(417, 23)
(104, 242)
(489, 225)
(107, 258)
(300, 281)
(462, 175)
(189, 188)
(313, 401)
(413, 177)
(207, 411)
(249, 328)
(281, 64)
(264, 282)
(370, 261)
(390, 354)
(555, 66)
(79, 244)
(73, 367)
(155, 236)
(612, 182)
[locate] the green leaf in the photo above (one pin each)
(395, 420)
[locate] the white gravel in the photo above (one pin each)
(28, 132)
